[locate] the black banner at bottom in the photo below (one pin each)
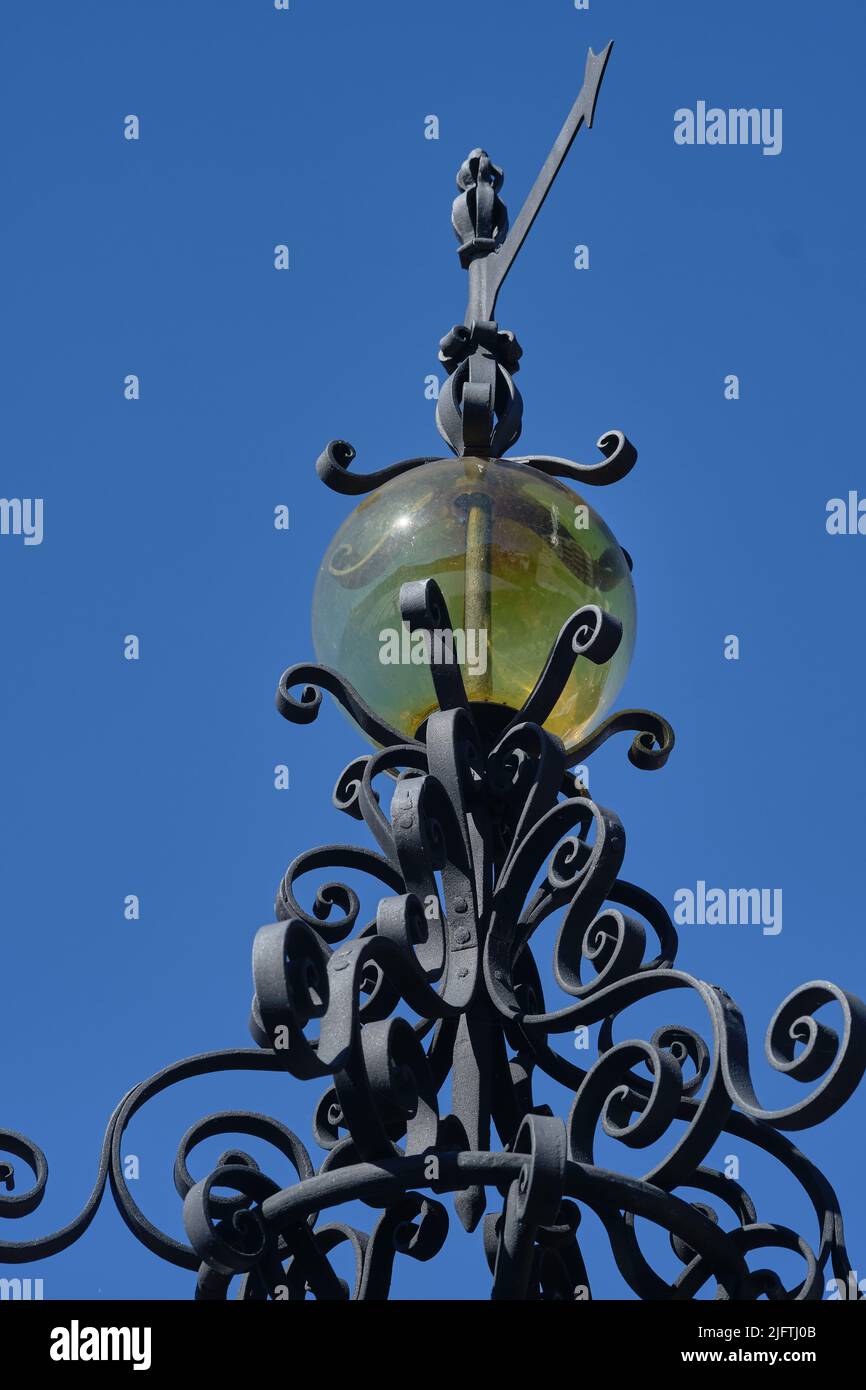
(63, 1338)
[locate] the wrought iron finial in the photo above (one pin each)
(486, 842)
(480, 409)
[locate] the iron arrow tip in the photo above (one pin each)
(596, 64)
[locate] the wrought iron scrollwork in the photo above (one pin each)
(446, 984)
(484, 836)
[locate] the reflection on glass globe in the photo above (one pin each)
(514, 552)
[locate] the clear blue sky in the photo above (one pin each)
(155, 257)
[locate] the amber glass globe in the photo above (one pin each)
(514, 552)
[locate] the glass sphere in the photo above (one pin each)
(514, 552)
